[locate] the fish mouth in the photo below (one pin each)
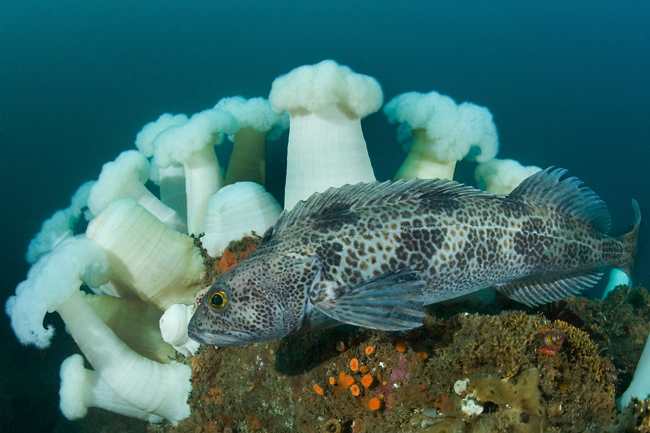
(224, 338)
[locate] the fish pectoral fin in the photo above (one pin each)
(542, 289)
(389, 302)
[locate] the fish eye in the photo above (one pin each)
(218, 300)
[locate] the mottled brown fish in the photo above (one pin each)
(373, 254)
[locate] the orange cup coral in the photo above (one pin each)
(374, 403)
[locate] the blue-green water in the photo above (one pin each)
(567, 83)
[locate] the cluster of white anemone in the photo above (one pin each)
(137, 256)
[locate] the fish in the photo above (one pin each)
(373, 254)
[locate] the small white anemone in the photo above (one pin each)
(173, 326)
(236, 211)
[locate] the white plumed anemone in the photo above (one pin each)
(192, 145)
(53, 285)
(171, 180)
(501, 176)
(59, 226)
(50, 282)
(160, 265)
(443, 133)
(160, 389)
(640, 386)
(145, 138)
(134, 322)
(173, 326)
(617, 277)
(125, 178)
(326, 103)
(257, 123)
(236, 211)
(82, 388)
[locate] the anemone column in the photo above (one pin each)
(326, 147)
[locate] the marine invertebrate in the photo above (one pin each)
(237, 210)
(191, 144)
(640, 386)
(346, 380)
(235, 253)
(53, 285)
(161, 389)
(171, 179)
(332, 425)
(257, 123)
(641, 408)
(553, 341)
(443, 133)
(318, 390)
(617, 277)
(326, 103)
(173, 328)
(136, 323)
(398, 373)
(369, 350)
(355, 390)
(125, 178)
(82, 388)
(501, 176)
(60, 225)
(354, 364)
(367, 381)
(522, 397)
(159, 265)
(374, 403)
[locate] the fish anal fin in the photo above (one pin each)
(542, 289)
(388, 302)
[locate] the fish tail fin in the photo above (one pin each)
(629, 242)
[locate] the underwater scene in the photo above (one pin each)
(326, 216)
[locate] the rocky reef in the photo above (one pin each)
(469, 369)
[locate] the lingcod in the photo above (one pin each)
(373, 254)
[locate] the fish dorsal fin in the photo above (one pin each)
(353, 197)
(545, 188)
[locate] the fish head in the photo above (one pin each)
(246, 305)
